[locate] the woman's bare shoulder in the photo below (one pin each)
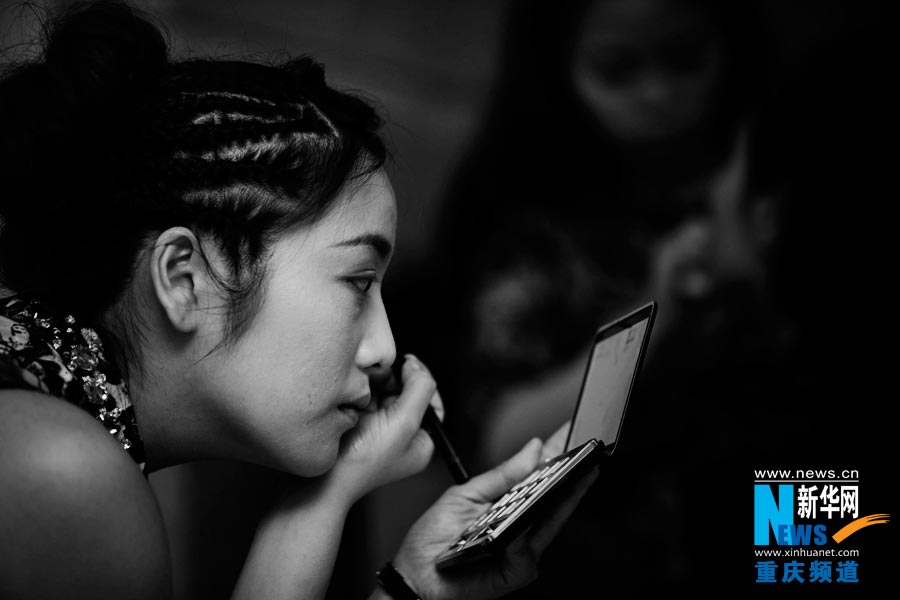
(78, 517)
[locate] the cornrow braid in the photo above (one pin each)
(239, 167)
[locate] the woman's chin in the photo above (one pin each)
(318, 467)
(308, 465)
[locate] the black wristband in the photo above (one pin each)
(393, 583)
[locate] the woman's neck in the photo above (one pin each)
(167, 404)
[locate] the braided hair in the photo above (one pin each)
(107, 141)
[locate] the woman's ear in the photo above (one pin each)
(180, 277)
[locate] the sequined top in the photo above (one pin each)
(56, 355)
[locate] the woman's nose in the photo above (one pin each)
(377, 350)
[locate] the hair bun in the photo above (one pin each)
(104, 49)
(67, 115)
(100, 62)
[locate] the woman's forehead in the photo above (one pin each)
(364, 210)
(366, 203)
(641, 21)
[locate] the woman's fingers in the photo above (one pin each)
(416, 368)
(419, 390)
(490, 484)
(438, 404)
(556, 443)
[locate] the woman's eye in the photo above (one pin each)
(363, 283)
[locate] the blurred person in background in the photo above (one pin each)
(653, 150)
(606, 173)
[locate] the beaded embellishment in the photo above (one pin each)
(63, 358)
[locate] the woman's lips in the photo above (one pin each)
(350, 411)
(356, 406)
(361, 402)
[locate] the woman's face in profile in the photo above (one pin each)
(646, 69)
(296, 380)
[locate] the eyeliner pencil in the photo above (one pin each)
(435, 429)
(432, 425)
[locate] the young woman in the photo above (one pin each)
(194, 252)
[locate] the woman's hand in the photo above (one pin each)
(458, 506)
(295, 546)
(388, 443)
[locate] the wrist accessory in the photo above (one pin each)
(392, 582)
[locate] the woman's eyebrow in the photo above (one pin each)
(378, 242)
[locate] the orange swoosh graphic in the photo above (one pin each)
(854, 526)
